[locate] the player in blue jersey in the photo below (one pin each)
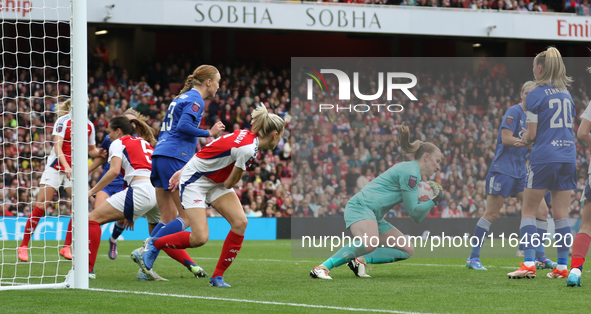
(117, 185)
(364, 213)
(552, 164)
(506, 177)
(177, 143)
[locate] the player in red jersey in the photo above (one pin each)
(208, 179)
(132, 157)
(57, 172)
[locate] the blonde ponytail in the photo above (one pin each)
(263, 122)
(553, 69)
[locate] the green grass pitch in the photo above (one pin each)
(265, 271)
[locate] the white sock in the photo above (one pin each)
(576, 271)
(528, 264)
(561, 267)
(112, 240)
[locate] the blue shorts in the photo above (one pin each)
(113, 189)
(553, 176)
(504, 185)
(162, 170)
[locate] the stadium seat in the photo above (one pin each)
(174, 88)
(544, 7)
(206, 108)
(466, 4)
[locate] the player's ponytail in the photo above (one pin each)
(553, 69)
(264, 123)
(417, 147)
(133, 126)
(143, 130)
(64, 108)
(199, 76)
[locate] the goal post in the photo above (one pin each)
(79, 146)
(43, 61)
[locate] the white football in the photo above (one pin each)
(425, 192)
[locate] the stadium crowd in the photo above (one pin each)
(29, 103)
(334, 155)
(337, 153)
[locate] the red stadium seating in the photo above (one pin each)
(466, 4)
(174, 88)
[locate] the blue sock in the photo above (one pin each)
(563, 230)
(172, 227)
(480, 232)
(157, 228)
(528, 226)
(542, 226)
(117, 230)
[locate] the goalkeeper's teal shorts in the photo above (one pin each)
(355, 212)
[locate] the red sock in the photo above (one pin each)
(180, 256)
(580, 249)
(68, 241)
(179, 240)
(32, 224)
(94, 241)
(230, 249)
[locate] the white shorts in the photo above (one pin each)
(201, 192)
(138, 200)
(55, 178)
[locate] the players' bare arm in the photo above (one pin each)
(234, 177)
(583, 132)
(95, 152)
(96, 163)
(108, 177)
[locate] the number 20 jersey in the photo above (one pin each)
(553, 109)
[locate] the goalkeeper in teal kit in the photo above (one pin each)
(364, 213)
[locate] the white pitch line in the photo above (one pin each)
(256, 301)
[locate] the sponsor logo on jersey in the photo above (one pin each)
(60, 127)
(412, 182)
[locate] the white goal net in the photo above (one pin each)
(36, 76)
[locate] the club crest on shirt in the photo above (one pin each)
(412, 182)
(60, 127)
(195, 106)
(509, 119)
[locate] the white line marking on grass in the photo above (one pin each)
(254, 301)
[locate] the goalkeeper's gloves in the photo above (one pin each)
(437, 191)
